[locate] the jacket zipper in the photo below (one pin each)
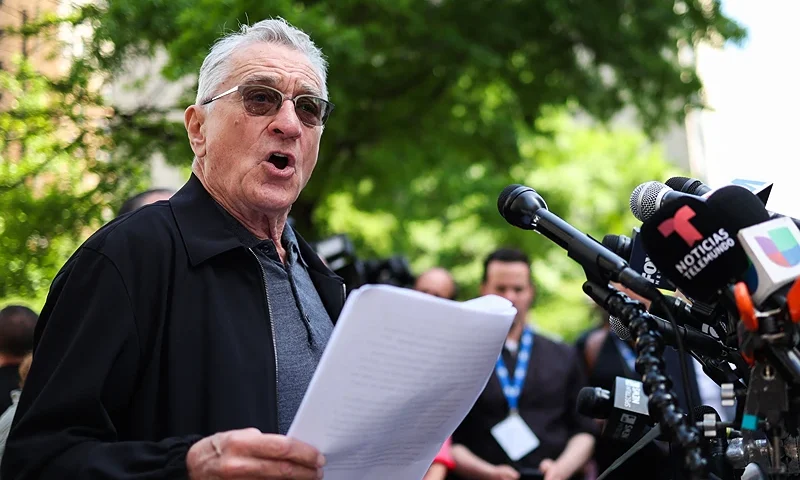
(271, 326)
(344, 293)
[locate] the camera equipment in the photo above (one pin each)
(523, 207)
(744, 264)
(726, 250)
(339, 253)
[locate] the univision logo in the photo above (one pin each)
(780, 246)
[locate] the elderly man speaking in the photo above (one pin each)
(178, 341)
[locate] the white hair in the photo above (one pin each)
(216, 66)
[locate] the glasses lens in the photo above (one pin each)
(312, 110)
(260, 100)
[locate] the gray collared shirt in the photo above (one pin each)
(301, 325)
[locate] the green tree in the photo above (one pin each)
(585, 174)
(440, 103)
(57, 175)
(440, 85)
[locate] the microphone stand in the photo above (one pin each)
(657, 385)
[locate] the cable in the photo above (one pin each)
(643, 442)
(682, 359)
(649, 349)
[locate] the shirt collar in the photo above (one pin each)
(288, 238)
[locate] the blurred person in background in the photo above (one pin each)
(145, 198)
(442, 464)
(179, 342)
(607, 357)
(8, 415)
(438, 282)
(17, 324)
(531, 395)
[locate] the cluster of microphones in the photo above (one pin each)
(734, 267)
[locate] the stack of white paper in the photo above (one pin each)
(401, 371)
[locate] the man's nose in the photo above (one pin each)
(285, 123)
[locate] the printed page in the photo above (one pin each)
(401, 371)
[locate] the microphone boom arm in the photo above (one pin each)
(649, 349)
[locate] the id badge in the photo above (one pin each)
(515, 437)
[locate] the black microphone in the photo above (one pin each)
(524, 208)
(700, 316)
(692, 339)
(692, 186)
(619, 244)
(693, 241)
(625, 409)
(632, 251)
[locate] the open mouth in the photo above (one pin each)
(280, 161)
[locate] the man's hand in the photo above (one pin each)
(251, 454)
(552, 470)
(504, 472)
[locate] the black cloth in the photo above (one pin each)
(155, 334)
(547, 404)
(9, 381)
(651, 461)
(672, 364)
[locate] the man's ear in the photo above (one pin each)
(194, 120)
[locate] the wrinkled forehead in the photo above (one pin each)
(277, 66)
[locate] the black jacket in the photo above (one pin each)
(547, 404)
(155, 334)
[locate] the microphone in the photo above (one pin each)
(693, 240)
(648, 197)
(774, 250)
(619, 244)
(692, 339)
(625, 409)
(524, 208)
(692, 186)
(632, 251)
(702, 317)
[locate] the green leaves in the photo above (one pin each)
(439, 105)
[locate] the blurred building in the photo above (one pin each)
(15, 14)
(750, 129)
(155, 92)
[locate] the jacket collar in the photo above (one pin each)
(206, 233)
(202, 227)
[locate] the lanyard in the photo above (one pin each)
(513, 389)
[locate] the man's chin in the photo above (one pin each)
(275, 198)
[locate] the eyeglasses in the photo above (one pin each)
(260, 100)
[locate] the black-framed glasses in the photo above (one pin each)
(260, 100)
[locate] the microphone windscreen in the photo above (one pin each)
(737, 207)
(619, 244)
(519, 205)
(645, 199)
(692, 186)
(694, 246)
(503, 198)
(618, 328)
(594, 402)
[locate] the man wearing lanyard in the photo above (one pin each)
(525, 424)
